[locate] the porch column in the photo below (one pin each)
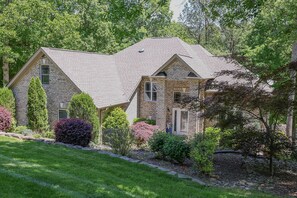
(194, 121)
(161, 104)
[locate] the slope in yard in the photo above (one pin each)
(32, 169)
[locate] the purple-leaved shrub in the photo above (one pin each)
(73, 131)
(143, 132)
(5, 119)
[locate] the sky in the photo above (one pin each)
(177, 6)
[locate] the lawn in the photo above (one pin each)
(33, 169)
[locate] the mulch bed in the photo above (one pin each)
(231, 170)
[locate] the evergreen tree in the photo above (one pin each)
(82, 106)
(7, 100)
(115, 118)
(37, 106)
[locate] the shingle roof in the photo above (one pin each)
(92, 73)
(112, 79)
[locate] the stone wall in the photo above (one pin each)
(59, 90)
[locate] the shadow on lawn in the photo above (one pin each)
(82, 173)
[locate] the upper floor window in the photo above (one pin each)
(180, 96)
(150, 91)
(45, 74)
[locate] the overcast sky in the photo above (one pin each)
(177, 6)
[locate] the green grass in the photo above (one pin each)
(32, 169)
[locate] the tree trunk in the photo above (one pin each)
(290, 128)
(5, 71)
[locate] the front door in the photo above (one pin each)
(180, 120)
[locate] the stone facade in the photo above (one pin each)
(59, 90)
(162, 110)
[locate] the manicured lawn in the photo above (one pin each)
(32, 169)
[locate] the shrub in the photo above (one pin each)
(120, 140)
(82, 106)
(20, 129)
(157, 141)
(226, 140)
(37, 106)
(7, 101)
(73, 131)
(115, 118)
(202, 154)
(213, 134)
(48, 134)
(143, 132)
(146, 120)
(5, 119)
(176, 148)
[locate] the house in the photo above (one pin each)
(146, 79)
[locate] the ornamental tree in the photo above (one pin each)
(82, 106)
(37, 106)
(252, 108)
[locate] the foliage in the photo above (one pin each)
(248, 140)
(202, 153)
(169, 146)
(20, 129)
(143, 132)
(82, 106)
(120, 140)
(146, 120)
(261, 110)
(7, 100)
(5, 119)
(90, 25)
(157, 142)
(213, 134)
(37, 106)
(73, 131)
(115, 118)
(48, 134)
(175, 148)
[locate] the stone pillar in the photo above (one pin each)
(161, 104)
(194, 120)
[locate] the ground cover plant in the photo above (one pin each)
(32, 169)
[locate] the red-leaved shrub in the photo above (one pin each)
(143, 132)
(5, 119)
(73, 131)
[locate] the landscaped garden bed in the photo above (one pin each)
(229, 171)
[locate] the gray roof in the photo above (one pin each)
(112, 79)
(92, 73)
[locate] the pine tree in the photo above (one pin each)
(82, 106)
(37, 106)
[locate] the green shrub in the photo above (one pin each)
(146, 120)
(82, 106)
(120, 140)
(157, 141)
(203, 147)
(37, 107)
(115, 118)
(48, 134)
(20, 129)
(202, 154)
(175, 148)
(7, 101)
(227, 140)
(213, 134)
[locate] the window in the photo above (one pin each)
(150, 92)
(63, 114)
(179, 96)
(45, 74)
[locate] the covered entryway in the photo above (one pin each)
(180, 120)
